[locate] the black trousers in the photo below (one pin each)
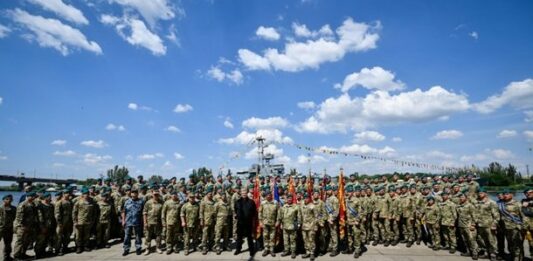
(241, 233)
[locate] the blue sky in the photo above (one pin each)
(166, 86)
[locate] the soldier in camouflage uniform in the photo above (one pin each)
(47, 225)
(487, 221)
(309, 214)
(268, 211)
(448, 217)
(332, 211)
(289, 221)
(152, 221)
(355, 219)
(380, 218)
(527, 210)
(132, 215)
(322, 218)
(431, 218)
(103, 227)
(222, 229)
(394, 216)
(83, 216)
(407, 212)
(189, 217)
(513, 218)
(170, 218)
(7, 217)
(63, 216)
(25, 222)
(466, 216)
(235, 196)
(207, 219)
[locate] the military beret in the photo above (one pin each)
(430, 198)
(105, 193)
(455, 185)
(507, 191)
(134, 190)
(154, 186)
(140, 177)
(527, 190)
(173, 193)
(209, 189)
(47, 195)
(378, 188)
(328, 187)
(7, 196)
(349, 188)
(267, 191)
(251, 185)
(59, 193)
(460, 194)
(191, 175)
(481, 190)
(357, 188)
(31, 194)
(403, 186)
(353, 175)
(219, 176)
(107, 180)
(392, 187)
(444, 193)
(84, 190)
(129, 178)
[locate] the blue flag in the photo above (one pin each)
(276, 194)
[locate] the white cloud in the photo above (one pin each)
(178, 156)
(306, 105)
(268, 123)
(528, 134)
(66, 153)
(301, 30)
(440, 155)
(447, 135)
(381, 108)
(267, 33)
(474, 158)
(48, 32)
(228, 124)
(167, 165)
(303, 159)
(500, 154)
(369, 136)
(59, 142)
(134, 106)
(365, 149)
(94, 143)
(173, 128)
(374, 78)
(95, 159)
(135, 32)
(310, 54)
(271, 135)
(65, 11)
(396, 139)
(474, 35)
(181, 108)
(507, 134)
(517, 94)
(528, 114)
(150, 156)
(153, 10)
(112, 127)
(271, 149)
(4, 31)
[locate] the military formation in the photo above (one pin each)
(295, 216)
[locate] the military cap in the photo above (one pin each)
(460, 194)
(328, 187)
(7, 196)
(527, 190)
(392, 187)
(428, 198)
(154, 186)
(209, 189)
(219, 176)
(47, 195)
(129, 178)
(507, 191)
(191, 175)
(444, 193)
(140, 177)
(404, 186)
(455, 185)
(356, 188)
(31, 194)
(481, 190)
(127, 188)
(105, 193)
(107, 180)
(134, 190)
(84, 190)
(349, 188)
(353, 175)
(143, 187)
(173, 193)
(377, 188)
(59, 193)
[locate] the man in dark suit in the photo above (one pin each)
(246, 214)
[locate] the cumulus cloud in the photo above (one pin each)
(306, 105)
(4, 31)
(507, 134)
(135, 32)
(98, 144)
(374, 78)
(447, 135)
(245, 137)
(52, 33)
(301, 30)
(268, 123)
(113, 127)
(267, 33)
(303, 159)
(235, 76)
(153, 10)
(181, 108)
(65, 11)
(310, 54)
(366, 150)
(369, 136)
(173, 128)
(92, 159)
(59, 142)
(517, 94)
(150, 156)
(339, 114)
(66, 153)
(228, 124)
(134, 106)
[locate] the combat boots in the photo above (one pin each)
(306, 256)
(285, 253)
(266, 252)
(78, 250)
(293, 255)
(312, 257)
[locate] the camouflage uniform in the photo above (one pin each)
(332, 211)
(512, 217)
(153, 225)
(466, 222)
(7, 217)
(407, 210)
(355, 217)
(527, 210)
(189, 213)
(431, 217)
(308, 215)
(223, 212)
(322, 218)
(236, 196)
(63, 215)
(208, 219)
(47, 225)
(103, 227)
(170, 217)
(487, 220)
(448, 218)
(380, 219)
(267, 217)
(83, 216)
(25, 223)
(395, 214)
(289, 220)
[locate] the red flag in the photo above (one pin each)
(342, 206)
(257, 200)
(310, 183)
(292, 190)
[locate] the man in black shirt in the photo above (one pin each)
(246, 214)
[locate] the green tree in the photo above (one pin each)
(117, 174)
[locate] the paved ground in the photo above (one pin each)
(393, 253)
